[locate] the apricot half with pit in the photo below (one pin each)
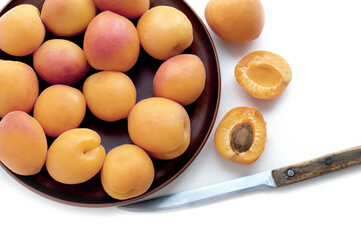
(263, 74)
(241, 135)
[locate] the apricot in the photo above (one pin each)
(111, 43)
(60, 108)
(127, 172)
(241, 135)
(263, 74)
(19, 87)
(66, 18)
(23, 144)
(127, 8)
(75, 156)
(60, 61)
(109, 95)
(181, 78)
(164, 32)
(21, 30)
(160, 126)
(235, 21)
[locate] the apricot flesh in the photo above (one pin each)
(235, 21)
(21, 30)
(160, 126)
(109, 95)
(181, 78)
(128, 172)
(66, 18)
(164, 32)
(75, 156)
(60, 61)
(127, 8)
(23, 145)
(241, 135)
(60, 108)
(111, 43)
(19, 87)
(263, 74)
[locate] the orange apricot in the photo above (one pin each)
(235, 21)
(60, 108)
(75, 156)
(21, 30)
(127, 8)
(127, 172)
(109, 95)
(263, 74)
(241, 135)
(23, 144)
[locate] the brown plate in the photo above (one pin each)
(202, 114)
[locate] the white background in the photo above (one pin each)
(318, 113)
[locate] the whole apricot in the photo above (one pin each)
(23, 144)
(241, 135)
(19, 87)
(181, 78)
(164, 32)
(111, 42)
(263, 74)
(21, 30)
(75, 156)
(160, 126)
(66, 18)
(127, 8)
(109, 95)
(128, 172)
(60, 108)
(60, 61)
(235, 21)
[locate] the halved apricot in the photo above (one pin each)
(241, 135)
(263, 74)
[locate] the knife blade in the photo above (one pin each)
(269, 179)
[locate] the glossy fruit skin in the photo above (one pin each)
(110, 95)
(21, 30)
(23, 144)
(19, 87)
(235, 21)
(75, 156)
(263, 74)
(128, 8)
(234, 118)
(128, 172)
(164, 32)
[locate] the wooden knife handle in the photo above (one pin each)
(316, 167)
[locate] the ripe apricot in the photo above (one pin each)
(181, 78)
(75, 156)
(160, 126)
(109, 95)
(241, 135)
(23, 144)
(19, 87)
(60, 61)
(66, 18)
(164, 32)
(127, 8)
(263, 74)
(111, 42)
(127, 172)
(21, 30)
(235, 21)
(60, 108)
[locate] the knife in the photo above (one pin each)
(269, 179)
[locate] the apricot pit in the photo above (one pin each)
(263, 74)
(241, 135)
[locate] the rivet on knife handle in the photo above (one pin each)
(316, 167)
